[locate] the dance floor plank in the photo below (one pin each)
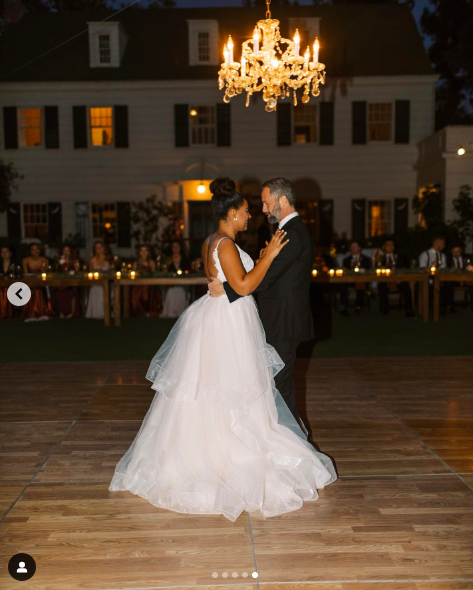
(398, 518)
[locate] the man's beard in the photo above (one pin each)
(275, 214)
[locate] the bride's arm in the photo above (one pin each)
(239, 280)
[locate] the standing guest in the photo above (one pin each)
(145, 299)
(434, 256)
(38, 307)
(457, 260)
(67, 298)
(388, 258)
(353, 260)
(177, 298)
(98, 262)
(6, 308)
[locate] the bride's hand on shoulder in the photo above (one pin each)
(262, 252)
(276, 244)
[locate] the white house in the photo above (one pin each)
(130, 107)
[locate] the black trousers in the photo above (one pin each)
(285, 378)
(402, 288)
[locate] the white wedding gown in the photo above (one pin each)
(218, 437)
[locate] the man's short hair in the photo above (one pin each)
(438, 237)
(281, 186)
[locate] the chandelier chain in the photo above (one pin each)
(268, 12)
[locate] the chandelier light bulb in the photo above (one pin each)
(316, 50)
(306, 57)
(297, 43)
(256, 40)
(461, 151)
(230, 49)
(226, 54)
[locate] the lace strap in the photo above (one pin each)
(224, 237)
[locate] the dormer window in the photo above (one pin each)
(104, 49)
(107, 43)
(203, 42)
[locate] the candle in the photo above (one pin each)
(331, 272)
(433, 269)
(243, 66)
(307, 57)
(357, 269)
(316, 49)
(132, 274)
(225, 55)
(297, 41)
(119, 275)
(96, 275)
(230, 50)
(90, 275)
(383, 271)
(179, 271)
(388, 272)
(256, 39)
(314, 272)
(339, 272)
(43, 276)
(378, 271)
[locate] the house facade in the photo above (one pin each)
(130, 107)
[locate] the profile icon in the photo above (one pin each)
(22, 567)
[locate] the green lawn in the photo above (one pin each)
(368, 334)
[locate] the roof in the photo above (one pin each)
(356, 40)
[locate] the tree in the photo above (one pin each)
(153, 223)
(450, 27)
(463, 207)
(9, 176)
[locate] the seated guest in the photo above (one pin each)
(353, 260)
(388, 258)
(67, 298)
(456, 259)
(39, 306)
(98, 262)
(434, 256)
(145, 299)
(177, 298)
(6, 308)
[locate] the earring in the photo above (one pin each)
(235, 219)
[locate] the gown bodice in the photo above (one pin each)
(245, 258)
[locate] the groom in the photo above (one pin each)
(283, 295)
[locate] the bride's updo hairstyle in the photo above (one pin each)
(224, 197)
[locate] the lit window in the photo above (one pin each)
(101, 125)
(380, 121)
(203, 46)
(104, 221)
(203, 125)
(104, 49)
(35, 220)
(379, 218)
(30, 127)
(305, 123)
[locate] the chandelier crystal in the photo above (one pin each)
(266, 67)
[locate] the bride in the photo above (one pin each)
(218, 437)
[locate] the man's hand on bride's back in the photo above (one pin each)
(276, 244)
(216, 288)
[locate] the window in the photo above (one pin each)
(104, 49)
(203, 46)
(203, 125)
(35, 220)
(380, 121)
(104, 222)
(379, 218)
(30, 128)
(101, 126)
(305, 123)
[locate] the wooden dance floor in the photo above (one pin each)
(400, 517)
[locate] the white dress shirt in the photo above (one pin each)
(286, 219)
(428, 257)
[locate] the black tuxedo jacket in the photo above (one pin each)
(365, 262)
(451, 264)
(283, 294)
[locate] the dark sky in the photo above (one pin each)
(419, 4)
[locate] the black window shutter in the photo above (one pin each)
(121, 126)
(54, 221)
(359, 122)
(284, 124)
(181, 125)
(79, 115)
(10, 128)
(124, 224)
(358, 215)
(403, 108)
(51, 127)
(401, 214)
(326, 122)
(224, 128)
(14, 221)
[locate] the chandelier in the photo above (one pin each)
(266, 67)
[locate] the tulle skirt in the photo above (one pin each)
(218, 437)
